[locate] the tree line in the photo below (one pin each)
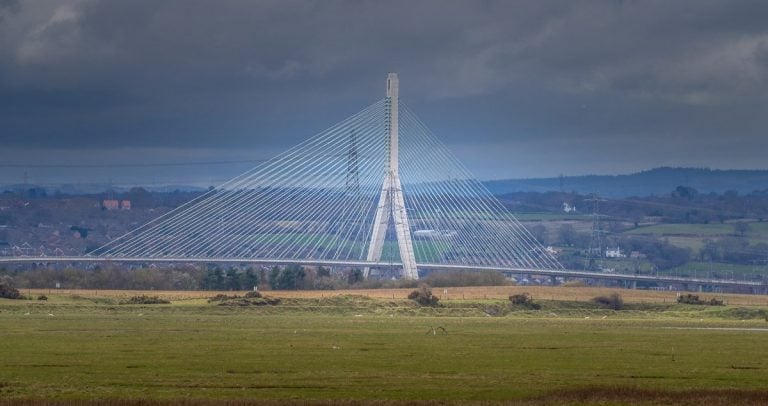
(216, 278)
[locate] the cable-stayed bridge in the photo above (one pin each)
(377, 190)
(378, 187)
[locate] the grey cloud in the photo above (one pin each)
(234, 74)
(580, 45)
(8, 7)
(11, 6)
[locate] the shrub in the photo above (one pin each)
(143, 299)
(222, 297)
(524, 300)
(42, 297)
(266, 301)
(253, 294)
(255, 301)
(423, 296)
(9, 292)
(715, 302)
(696, 300)
(612, 301)
(688, 299)
(520, 298)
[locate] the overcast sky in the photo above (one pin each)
(515, 88)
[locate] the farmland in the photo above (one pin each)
(355, 346)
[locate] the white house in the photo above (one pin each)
(568, 208)
(614, 253)
(552, 250)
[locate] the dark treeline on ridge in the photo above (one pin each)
(657, 181)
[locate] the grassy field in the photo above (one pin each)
(728, 271)
(552, 217)
(758, 231)
(346, 348)
(702, 230)
(693, 243)
(693, 236)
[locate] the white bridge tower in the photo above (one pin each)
(391, 202)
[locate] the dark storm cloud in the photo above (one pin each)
(588, 86)
(9, 5)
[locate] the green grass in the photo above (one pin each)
(705, 269)
(692, 236)
(757, 231)
(358, 348)
(702, 230)
(625, 265)
(759, 228)
(692, 243)
(552, 217)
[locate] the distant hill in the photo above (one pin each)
(658, 181)
(92, 188)
(652, 182)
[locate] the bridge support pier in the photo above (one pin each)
(391, 201)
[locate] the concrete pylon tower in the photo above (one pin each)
(391, 202)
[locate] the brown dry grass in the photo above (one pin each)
(453, 293)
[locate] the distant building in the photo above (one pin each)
(568, 208)
(114, 204)
(614, 253)
(110, 204)
(552, 250)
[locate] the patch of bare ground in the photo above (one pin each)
(582, 396)
(642, 396)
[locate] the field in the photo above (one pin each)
(692, 235)
(729, 271)
(551, 217)
(340, 347)
(701, 230)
